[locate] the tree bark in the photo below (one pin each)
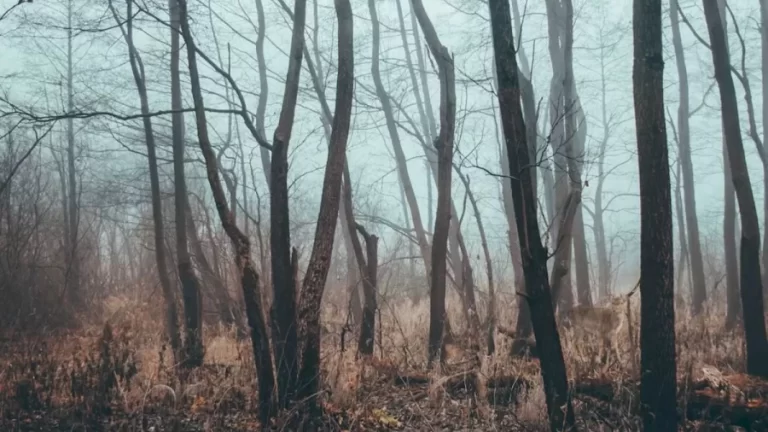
(137, 69)
(319, 262)
(698, 290)
(249, 278)
(657, 325)
(750, 277)
(190, 286)
(533, 253)
(444, 147)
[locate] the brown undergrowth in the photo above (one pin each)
(117, 374)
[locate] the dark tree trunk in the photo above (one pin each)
(523, 326)
(698, 290)
(370, 281)
(249, 278)
(319, 262)
(137, 69)
(283, 317)
(444, 147)
(764, 70)
(750, 277)
(533, 253)
(190, 286)
(657, 326)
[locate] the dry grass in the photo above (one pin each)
(122, 379)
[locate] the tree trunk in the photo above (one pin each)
(73, 265)
(137, 69)
(248, 276)
(560, 280)
(317, 269)
(684, 253)
(444, 147)
(261, 108)
(534, 255)
(523, 326)
(491, 324)
(698, 290)
(750, 277)
(657, 325)
(370, 280)
(190, 286)
(764, 70)
(284, 331)
(394, 136)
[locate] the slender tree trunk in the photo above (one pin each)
(74, 288)
(698, 290)
(444, 147)
(523, 326)
(261, 108)
(684, 251)
(394, 136)
(575, 124)
(190, 286)
(533, 253)
(284, 331)
(750, 277)
(560, 279)
(137, 69)
(317, 269)
(603, 261)
(248, 276)
(657, 326)
(491, 325)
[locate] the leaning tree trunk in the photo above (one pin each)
(319, 261)
(657, 326)
(750, 277)
(698, 289)
(249, 277)
(190, 286)
(533, 252)
(400, 158)
(137, 69)
(444, 147)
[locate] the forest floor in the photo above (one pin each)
(123, 380)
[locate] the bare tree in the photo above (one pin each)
(444, 147)
(686, 164)
(750, 277)
(249, 278)
(319, 262)
(190, 286)
(533, 253)
(283, 316)
(137, 69)
(658, 382)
